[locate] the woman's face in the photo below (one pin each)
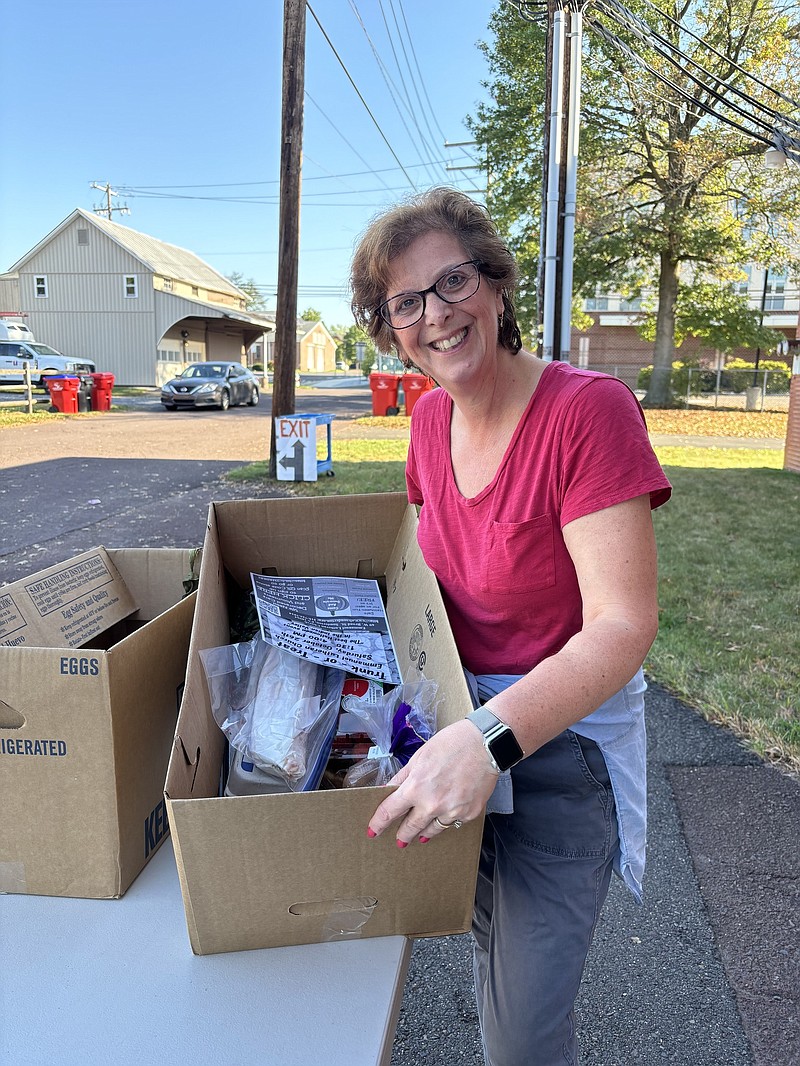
(452, 340)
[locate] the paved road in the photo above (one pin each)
(706, 973)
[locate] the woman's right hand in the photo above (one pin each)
(449, 778)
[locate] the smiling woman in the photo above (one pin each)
(535, 483)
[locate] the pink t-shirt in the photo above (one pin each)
(508, 581)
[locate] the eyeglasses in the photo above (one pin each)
(456, 284)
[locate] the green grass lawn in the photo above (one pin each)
(729, 591)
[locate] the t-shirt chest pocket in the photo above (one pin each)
(521, 557)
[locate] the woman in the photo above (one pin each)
(535, 483)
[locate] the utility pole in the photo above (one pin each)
(560, 165)
(285, 361)
(108, 208)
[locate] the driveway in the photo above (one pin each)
(71, 484)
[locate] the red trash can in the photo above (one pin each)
(384, 393)
(413, 387)
(64, 394)
(102, 384)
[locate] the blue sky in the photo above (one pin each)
(177, 105)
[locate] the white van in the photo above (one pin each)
(42, 361)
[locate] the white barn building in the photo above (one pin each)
(140, 308)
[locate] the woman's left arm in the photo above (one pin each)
(614, 555)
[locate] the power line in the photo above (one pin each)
(668, 51)
(412, 110)
(361, 98)
(394, 93)
(349, 145)
(419, 73)
(790, 143)
(721, 55)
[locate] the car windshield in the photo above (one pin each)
(44, 349)
(204, 370)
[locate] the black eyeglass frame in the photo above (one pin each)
(424, 293)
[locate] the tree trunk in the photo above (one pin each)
(659, 393)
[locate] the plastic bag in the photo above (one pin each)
(278, 710)
(398, 724)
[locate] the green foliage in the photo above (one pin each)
(311, 315)
(736, 376)
(348, 352)
(256, 301)
(662, 183)
(717, 316)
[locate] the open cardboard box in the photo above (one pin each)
(298, 868)
(92, 659)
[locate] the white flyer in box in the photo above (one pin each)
(334, 621)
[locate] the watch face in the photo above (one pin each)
(505, 750)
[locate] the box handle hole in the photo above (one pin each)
(10, 718)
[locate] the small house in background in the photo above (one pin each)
(140, 308)
(316, 348)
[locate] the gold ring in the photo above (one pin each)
(449, 825)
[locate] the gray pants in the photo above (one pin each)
(543, 878)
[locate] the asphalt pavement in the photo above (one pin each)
(705, 973)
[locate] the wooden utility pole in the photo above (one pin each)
(285, 357)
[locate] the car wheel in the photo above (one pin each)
(253, 398)
(42, 382)
(224, 400)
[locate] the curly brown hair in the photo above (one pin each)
(440, 209)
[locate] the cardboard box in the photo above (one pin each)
(86, 733)
(269, 871)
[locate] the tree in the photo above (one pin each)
(670, 197)
(256, 301)
(347, 350)
(311, 315)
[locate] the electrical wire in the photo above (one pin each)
(727, 59)
(349, 145)
(400, 38)
(623, 16)
(361, 98)
(788, 145)
(419, 72)
(394, 93)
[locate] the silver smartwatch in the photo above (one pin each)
(498, 739)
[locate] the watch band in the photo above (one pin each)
(499, 741)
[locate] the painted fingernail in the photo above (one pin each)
(424, 840)
(402, 843)
(371, 833)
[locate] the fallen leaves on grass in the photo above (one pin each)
(745, 424)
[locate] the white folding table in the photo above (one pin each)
(115, 981)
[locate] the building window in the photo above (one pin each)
(632, 304)
(775, 291)
(195, 291)
(598, 302)
(131, 287)
(742, 287)
(83, 236)
(40, 286)
(167, 285)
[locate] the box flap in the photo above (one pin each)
(157, 577)
(66, 605)
(347, 536)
